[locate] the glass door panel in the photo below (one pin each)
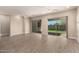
(36, 26)
(57, 26)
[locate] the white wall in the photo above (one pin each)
(4, 25)
(0, 28)
(27, 25)
(44, 28)
(19, 25)
(16, 25)
(77, 24)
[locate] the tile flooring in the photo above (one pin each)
(34, 43)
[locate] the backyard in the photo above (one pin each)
(56, 26)
(56, 31)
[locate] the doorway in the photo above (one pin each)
(36, 26)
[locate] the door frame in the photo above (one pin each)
(66, 18)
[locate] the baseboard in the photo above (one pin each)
(14, 34)
(4, 34)
(73, 38)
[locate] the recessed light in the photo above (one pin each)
(55, 10)
(68, 6)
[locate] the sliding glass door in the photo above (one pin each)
(36, 26)
(57, 26)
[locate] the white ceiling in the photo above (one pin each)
(31, 10)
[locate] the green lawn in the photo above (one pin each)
(56, 31)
